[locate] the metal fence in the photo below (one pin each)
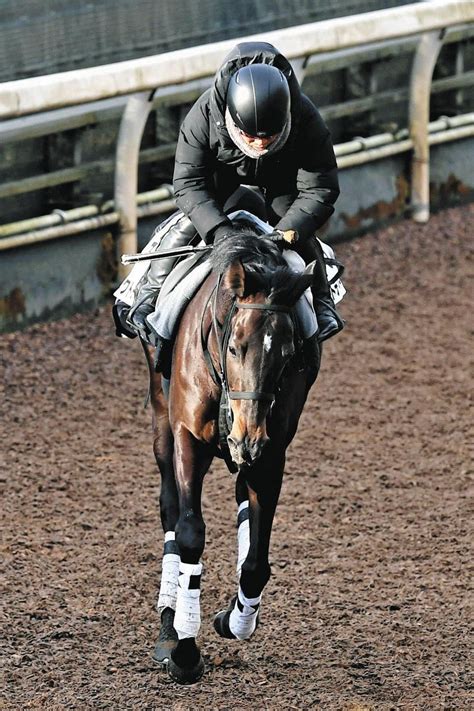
(59, 35)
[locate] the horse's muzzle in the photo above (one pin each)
(246, 450)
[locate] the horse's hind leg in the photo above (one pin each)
(221, 621)
(169, 510)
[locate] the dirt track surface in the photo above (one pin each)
(368, 604)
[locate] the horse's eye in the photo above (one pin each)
(232, 350)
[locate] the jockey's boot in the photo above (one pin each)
(329, 321)
(180, 234)
(139, 312)
(120, 313)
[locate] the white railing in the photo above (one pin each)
(26, 96)
(142, 76)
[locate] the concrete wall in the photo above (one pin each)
(61, 277)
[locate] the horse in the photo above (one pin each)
(238, 384)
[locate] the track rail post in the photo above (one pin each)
(130, 135)
(418, 119)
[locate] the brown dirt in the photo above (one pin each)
(368, 604)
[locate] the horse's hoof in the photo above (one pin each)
(222, 619)
(185, 675)
(221, 625)
(167, 639)
(162, 652)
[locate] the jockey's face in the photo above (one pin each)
(258, 142)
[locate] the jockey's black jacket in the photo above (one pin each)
(302, 175)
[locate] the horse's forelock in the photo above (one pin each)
(249, 249)
(265, 267)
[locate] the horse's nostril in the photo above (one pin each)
(257, 446)
(246, 450)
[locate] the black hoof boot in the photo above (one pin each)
(221, 622)
(167, 640)
(185, 665)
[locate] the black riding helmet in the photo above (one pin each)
(258, 99)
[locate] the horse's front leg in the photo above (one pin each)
(192, 460)
(255, 520)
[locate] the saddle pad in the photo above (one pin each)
(167, 314)
(129, 288)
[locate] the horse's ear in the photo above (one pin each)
(303, 282)
(288, 292)
(233, 280)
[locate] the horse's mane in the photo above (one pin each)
(249, 248)
(261, 258)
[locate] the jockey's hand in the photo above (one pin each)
(285, 238)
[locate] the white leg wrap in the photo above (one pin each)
(243, 535)
(187, 619)
(243, 618)
(169, 574)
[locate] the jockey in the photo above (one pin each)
(256, 128)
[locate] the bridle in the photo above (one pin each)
(218, 371)
(223, 344)
(223, 333)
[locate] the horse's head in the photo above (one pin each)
(261, 342)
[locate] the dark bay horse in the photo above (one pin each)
(238, 338)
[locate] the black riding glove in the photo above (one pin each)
(285, 238)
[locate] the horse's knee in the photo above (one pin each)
(190, 537)
(254, 576)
